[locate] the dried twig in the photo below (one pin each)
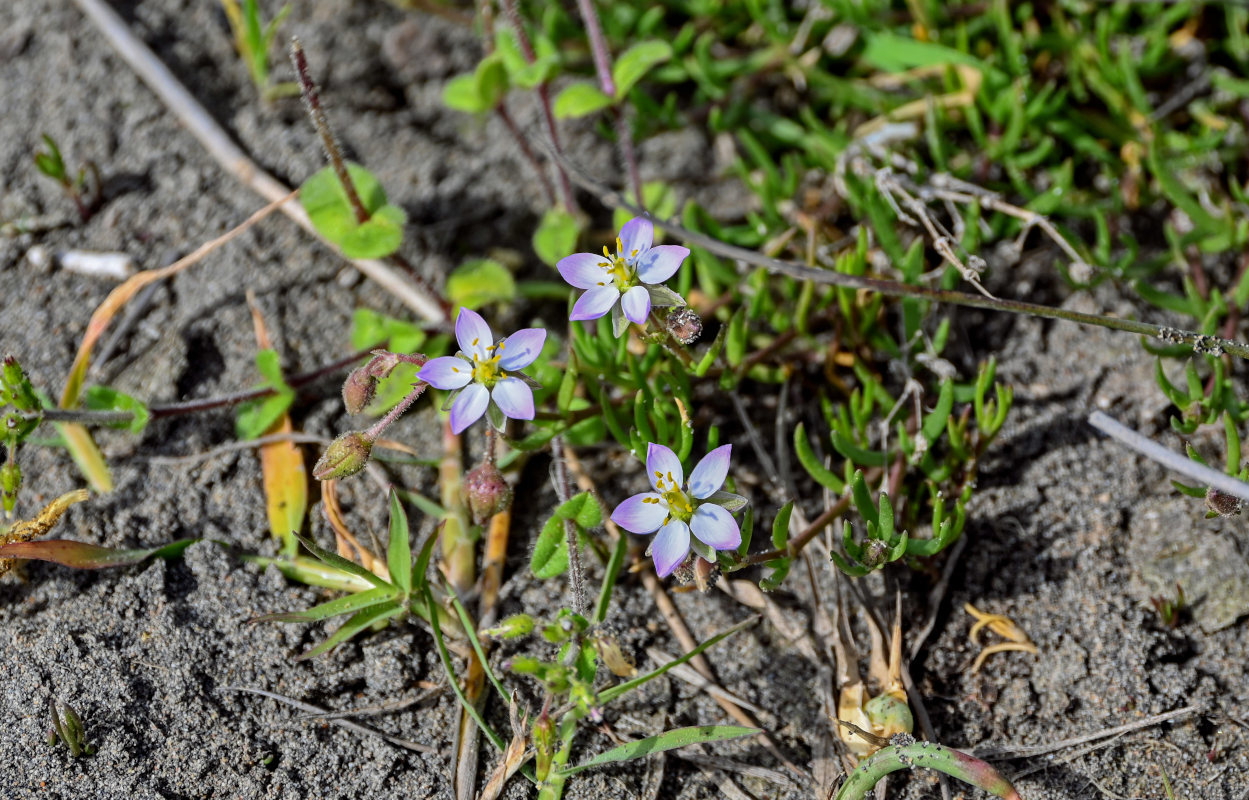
(222, 148)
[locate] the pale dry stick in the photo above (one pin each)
(1031, 751)
(217, 142)
(1173, 461)
(342, 723)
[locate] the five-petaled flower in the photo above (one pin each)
(482, 371)
(675, 508)
(633, 276)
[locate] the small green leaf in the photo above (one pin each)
(105, 398)
(399, 552)
(371, 329)
(256, 417)
(934, 422)
(460, 94)
(780, 526)
(479, 281)
(550, 552)
(635, 62)
(556, 235)
(668, 740)
(326, 202)
(579, 100)
(51, 163)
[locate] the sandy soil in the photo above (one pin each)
(1067, 535)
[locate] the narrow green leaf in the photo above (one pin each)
(612, 692)
(668, 740)
(934, 421)
(806, 456)
(399, 551)
(341, 564)
(348, 604)
(358, 622)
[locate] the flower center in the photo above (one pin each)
(679, 504)
(486, 371)
(617, 267)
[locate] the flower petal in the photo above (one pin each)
(595, 303)
(636, 304)
(448, 372)
(716, 527)
(670, 547)
(584, 270)
(641, 513)
(514, 398)
(635, 238)
(660, 263)
(663, 465)
(473, 334)
(521, 348)
(708, 475)
(469, 407)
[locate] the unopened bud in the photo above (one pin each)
(19, 389)
(361, 384)
(346, 455)
(487, 492)
(358, 390)
(875, 553)
(685, 325)
(1223, 504)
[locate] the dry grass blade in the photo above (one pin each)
(1029, 751)
(691, 676)
(513, 757)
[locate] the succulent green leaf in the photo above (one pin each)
(399, 550)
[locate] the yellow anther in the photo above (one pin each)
(476, 340)
(619, 246)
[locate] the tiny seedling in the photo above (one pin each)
(254, 40)
(67, 727)
(84, 188)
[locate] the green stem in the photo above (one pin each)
(924, 754)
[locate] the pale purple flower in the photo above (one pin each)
(628, 283)
(677, 509)
(481, 372)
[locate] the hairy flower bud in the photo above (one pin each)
(1223, 504)
(346, 455)
(487, 492)
(358, 390)
(685, 325)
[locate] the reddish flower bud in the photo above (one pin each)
(346, 455)
(487, 492)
